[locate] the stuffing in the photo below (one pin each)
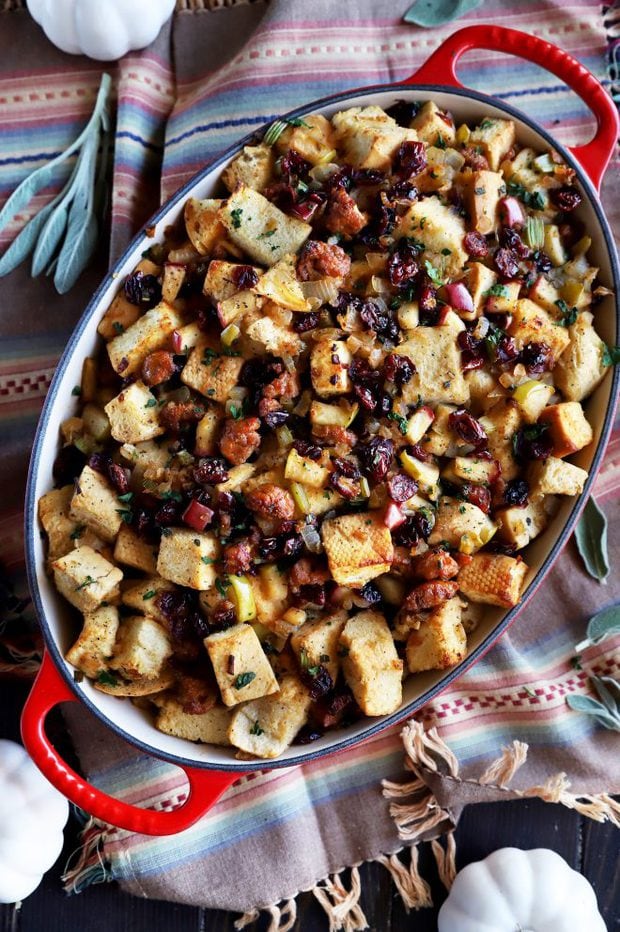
(358, 547)
(86, 578)
(186, 557)
(440, 640)
(370, 664)
(240, 665)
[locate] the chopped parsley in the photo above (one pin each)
(266, 234)
(126, 514)
(533, 199)
(496, 291)
(433, 274)
(400, 420)
(243, 679)
(106, 679)
(440, 142)
(76, 391)
(89, 581)
(125, 497)
(151, 403)
(222, 585)
(256, 729)
(207, 560)
(149, 594)
(569, 314)
(235, 216)
(486, 124)
(171, 496)
(611, 355)
(118, 327)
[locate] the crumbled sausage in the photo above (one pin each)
(343, 215)
(333, 435)
(307, 572)
(239, 557)
(428, 595)
(240, 439)
(285, 385)
(195, 695)
(158, 367)
(435, 564)
(176, 413)
(475, 159)
(320, 260)
(270, 501)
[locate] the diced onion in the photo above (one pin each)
(229, 334)
(323, 171)
(311, 538)
(325, 289)
(289, 362)
(380, 285)
(285, 437)
(183, 255)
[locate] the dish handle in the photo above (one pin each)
(440, 68)
(205, 786)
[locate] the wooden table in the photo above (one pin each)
(589, 847)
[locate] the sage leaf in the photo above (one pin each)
(76, 252)
(609, 693)
(591, 539)
(23, 243)
(596, 709)
(429, 13)
(24, 193)
(50, 238)
(604, 624)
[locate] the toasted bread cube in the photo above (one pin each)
(260, 228)
(432, 125)
(211, 374)
(440, 641)
(189, 336)
(532, 324)
(316, 643)
(142, 647)
(203, 224)
(501, 423)
(368, 137)
(54, 516)
(141, 595)
(237, 476)
(272, 337)
(461, 523)
(186, 558)
(313, 140)
(150, 332)
(568, 427)
(116, 685)
(145, 455)
(495, 137)
(358, 547)
(85, 578)
(207, 431)
(134, 415)
(438, 375)
(95, 503)
(470, 469)
(545, 294)
(441, 229)
(370, 664)
(174, 276)
(252, 167)
(94, 646)
(132, 550)
(266, 727)
(270, 591)
(209, 727)
(280, 285)
(88, 381)
(493, 579)
(329, 368)
(519, 525)
(484, 191)
(220, 281)
(555, 477)
(321, 500)
(532, 397)
(239, 650)
(480, 280)
(122, 313)
(580, 368)
(309, 472)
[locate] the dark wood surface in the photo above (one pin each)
(587, 846)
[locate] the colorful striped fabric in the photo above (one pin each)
(212, 78)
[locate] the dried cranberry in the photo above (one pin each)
(68, 465)
(402, 191)
(293, 166)
(376, 457)
(307, 734)
(276, 418)
(366, 397)
(119, 478)
(536, 357)
(420, 453)
(403, 266)
(343, 178)
(542, 261)
(401, 487)
(410, 159)
(306, 209)
(506, 263)
(312, 594)
(471, 351)
(506, 350)
(311, 451)
(366, 383)
(398, 368)
(382, 220)
(142, 290)
(532, 443)
(224, 616)
(180, 610)
(475, 245)
(415, 528)
(468, 428)
(346, 467)
(256, 373)
(403, 111)
(168, 514)
(371, 594)
(100, 462)
(477, 495)
(210, 470)
(244, 276)
(566, 199)
(317, 681)
(377, 316)
(364, 176)
(304, 322)
(516, 492)
(510, 239)
(282, 194)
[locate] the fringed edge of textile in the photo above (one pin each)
(87, 865)
(195, 6)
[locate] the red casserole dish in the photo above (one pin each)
(211, 770)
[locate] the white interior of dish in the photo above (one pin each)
(136, 723)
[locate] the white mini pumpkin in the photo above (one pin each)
(102, 29)
(32, 817)
(511, 890)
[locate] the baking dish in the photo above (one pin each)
(211, 770)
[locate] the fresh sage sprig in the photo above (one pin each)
(63, 235)
(602, 625)
(423, 13)
(591, 539)
(606, 711)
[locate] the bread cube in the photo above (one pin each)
(203, 224)
(220, 283)
(321, 500)
(519, 525)
(432, 125)
(545, 294)
(316, 643)
(503, 298)
(371, 666)
(94, 646)
(260, 228)
(270, 591)
(150, 332)
(532, 324)
(134, 415)
(56, 521)
(313, 140)
(461, 524)
(113, 684)
(484, 191)
(440, 642)
(441, 229)
(242, 306)
(580, 368)
(568, 427)
(186, 557)
(132, 550)
(95, 503)
(211, 374)
(253, 167)
(358, 547)
(470, 469)
(439, 377)
(480, 280)
(207, 431)
(313, 473)
(495, 137)
(329, 368)
(174, 276)
(141, 595)
(555, 477)
(272, 337)
(501, 423)
(209, 727)
(122, 313)
(493, 579)
(240, 664)
(266, 727)
(85, 578)
(142, 647)
(532, 397)
(368, 138)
